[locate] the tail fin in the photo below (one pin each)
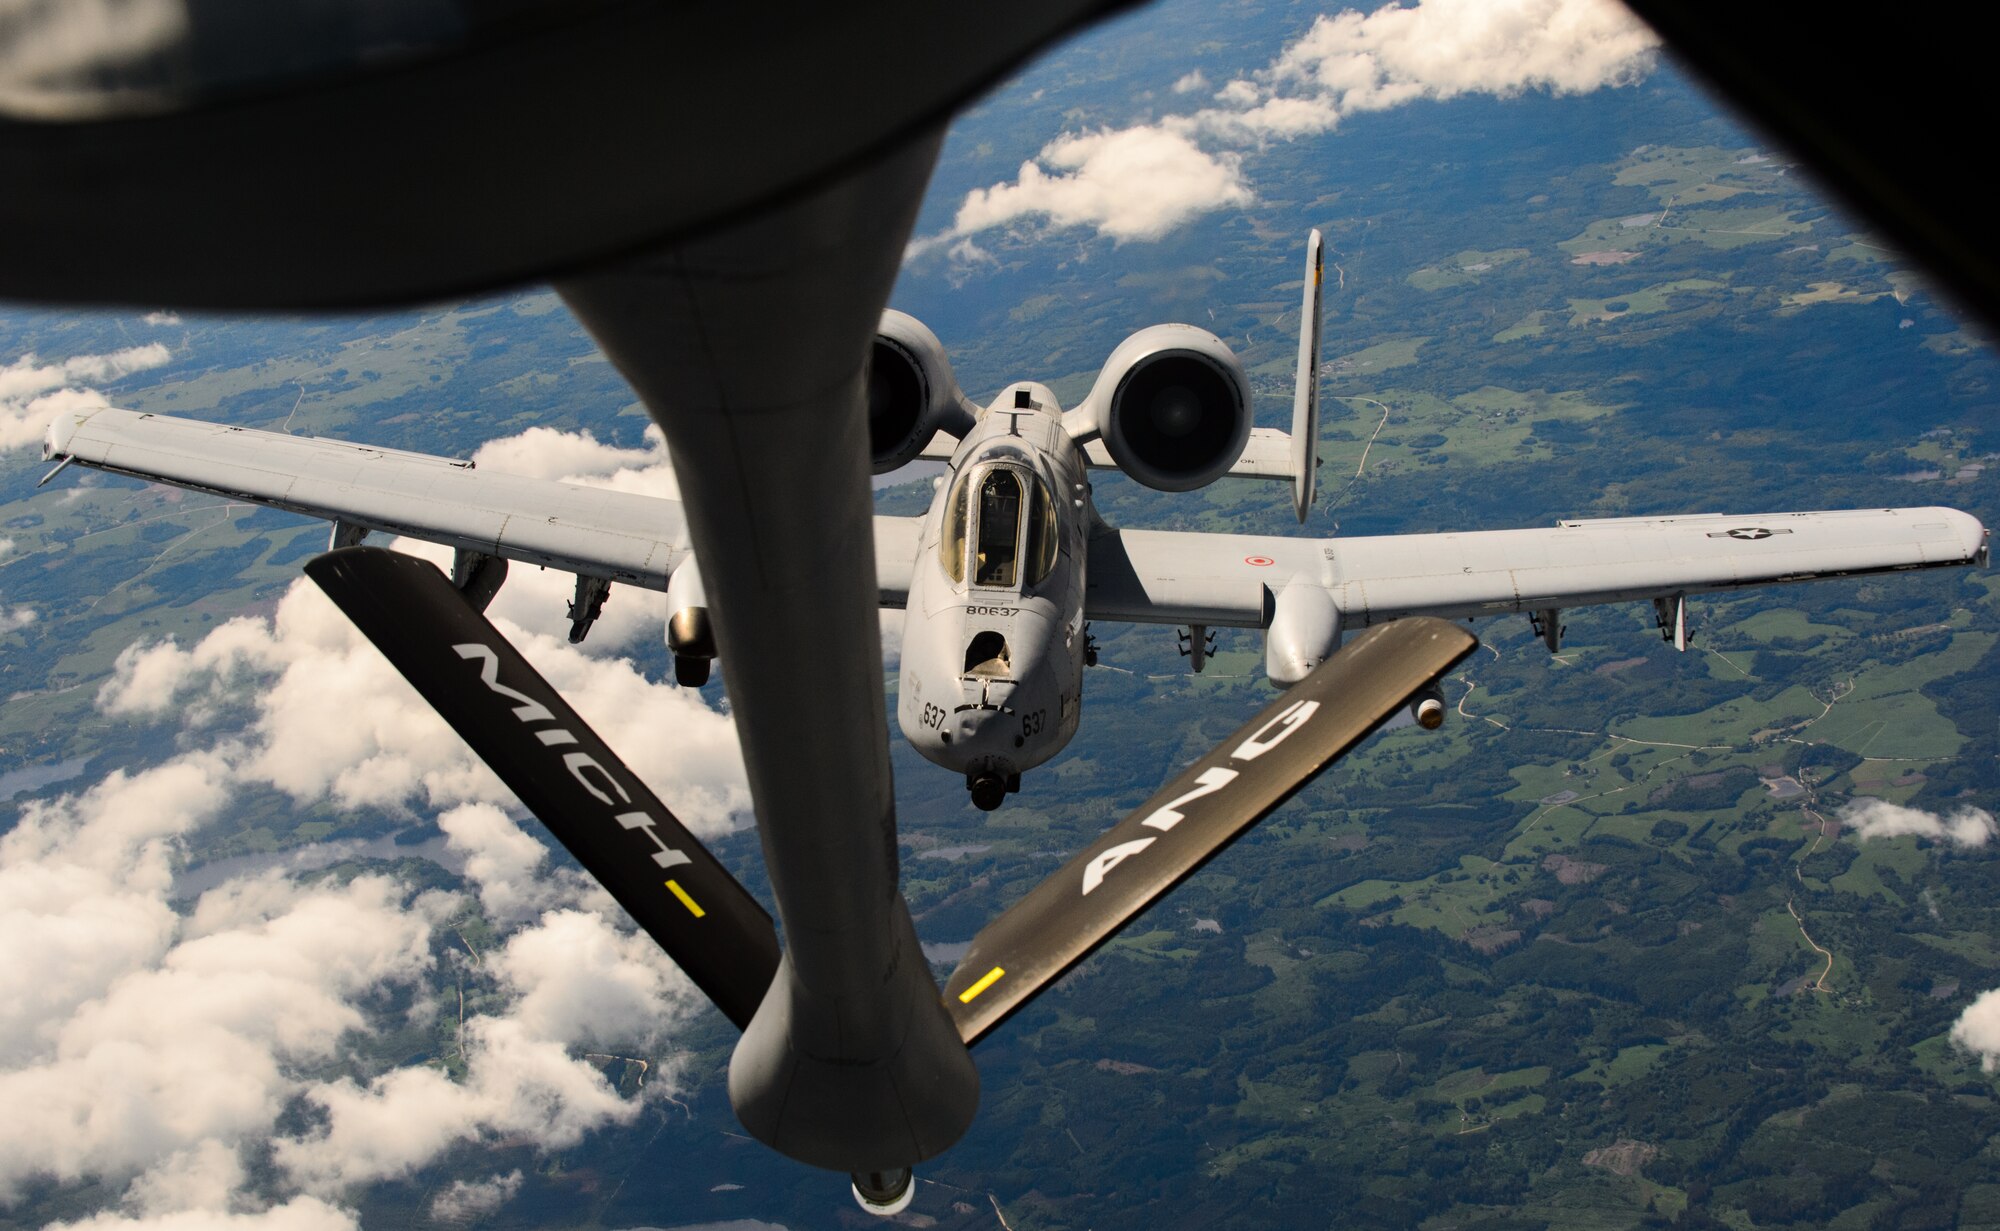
(1305, 389)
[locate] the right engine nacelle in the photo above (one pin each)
(911, 392)
(1172, 406)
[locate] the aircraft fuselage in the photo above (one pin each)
(993, 635)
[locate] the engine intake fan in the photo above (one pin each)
(1173, 407)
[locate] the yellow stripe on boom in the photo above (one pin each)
(985, 981)
(686, 901)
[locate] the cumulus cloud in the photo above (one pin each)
(501, 860)
(166, 1055)
(633, 619)
(1977, 1030)
(132, 1036)
(1440, 49)
(326, 716)
(33, 392)
(1140, 183)
(579, 457)
(54, 59)
(1133, 183)
(182, 1060)
(154, 1051)
(576, 981)
(162, 319)
(297, 1214)
(468, 1200)
(1877, 818)
(83, 896)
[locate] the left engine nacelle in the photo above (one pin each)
(912, 393)
(690, 636)
(1172, 406)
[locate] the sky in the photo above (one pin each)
(164, 1054)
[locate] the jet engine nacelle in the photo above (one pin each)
(1172, 406)
(911, 392)
(690, 637)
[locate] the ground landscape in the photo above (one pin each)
(1638, 939)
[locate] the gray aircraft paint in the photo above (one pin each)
(1018, 719)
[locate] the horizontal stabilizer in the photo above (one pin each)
(573, 783)
(1065, 918)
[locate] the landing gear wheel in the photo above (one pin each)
(884, 1193)
(989, 791)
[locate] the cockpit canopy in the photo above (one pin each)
(986, 513)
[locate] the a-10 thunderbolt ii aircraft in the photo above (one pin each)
(740, 304)
(998, 580)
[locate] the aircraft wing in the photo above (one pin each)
(618, 536)
(1164, 577)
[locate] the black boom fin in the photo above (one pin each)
(1065, 918)
(573, 783)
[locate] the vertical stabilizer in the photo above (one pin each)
(1305, 389)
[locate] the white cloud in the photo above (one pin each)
(131, 1035)
(32, 393)
(162, 319)
(50, 61)
(581, 982)
(467, 1200)
(159, 1050)
(575, 981)
(154, 1052)
(579, 457)
(1878, 818)
(1977, 1030)
(1239, 93)
(1142, 182)
(297, 1214)
(501, 860)
(1440, 49)
(328, 717)
(83, 885)
(1133, 183)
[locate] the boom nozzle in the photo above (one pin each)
(885, 1193)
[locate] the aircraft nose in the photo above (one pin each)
(983, 725)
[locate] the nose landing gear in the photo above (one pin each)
(989, 788)
(885, 1193)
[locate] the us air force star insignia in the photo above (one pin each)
(1747, 532)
